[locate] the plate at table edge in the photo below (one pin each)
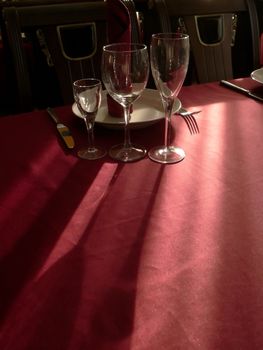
(257, 75)
(147, 110)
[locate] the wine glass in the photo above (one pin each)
(87, 94)
(169, 63)
(125, 71)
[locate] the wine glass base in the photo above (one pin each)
(91, 153)
(166, 155)
(124, 154)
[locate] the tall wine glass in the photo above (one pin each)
(169, 64)
(87, 94)
(125, 71)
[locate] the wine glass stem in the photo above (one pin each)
(89, 126)
(127, 139)
(168, 123)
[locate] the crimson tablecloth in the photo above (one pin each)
(141, 256)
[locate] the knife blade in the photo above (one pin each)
(241, 89)
(62, 129)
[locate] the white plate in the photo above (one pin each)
(257, 75)
(147, 110)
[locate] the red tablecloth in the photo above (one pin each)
(141, 256)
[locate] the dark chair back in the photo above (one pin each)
(70, 35)
(224, 35)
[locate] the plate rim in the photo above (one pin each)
(255, 72)
(119, 122)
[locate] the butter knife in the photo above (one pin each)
(241, 89)
(62, 129)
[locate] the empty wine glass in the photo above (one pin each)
(169, 64)
(125, 70)
(87, 94)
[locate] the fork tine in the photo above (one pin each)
(188, 123)
(191, 123)
(189, 117)
(189, 120)
(194, 123)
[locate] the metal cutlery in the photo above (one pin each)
(189, 119)
(62, 129)
(241, 89)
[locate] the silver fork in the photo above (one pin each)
(189, 119)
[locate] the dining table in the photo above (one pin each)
(106, 255)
